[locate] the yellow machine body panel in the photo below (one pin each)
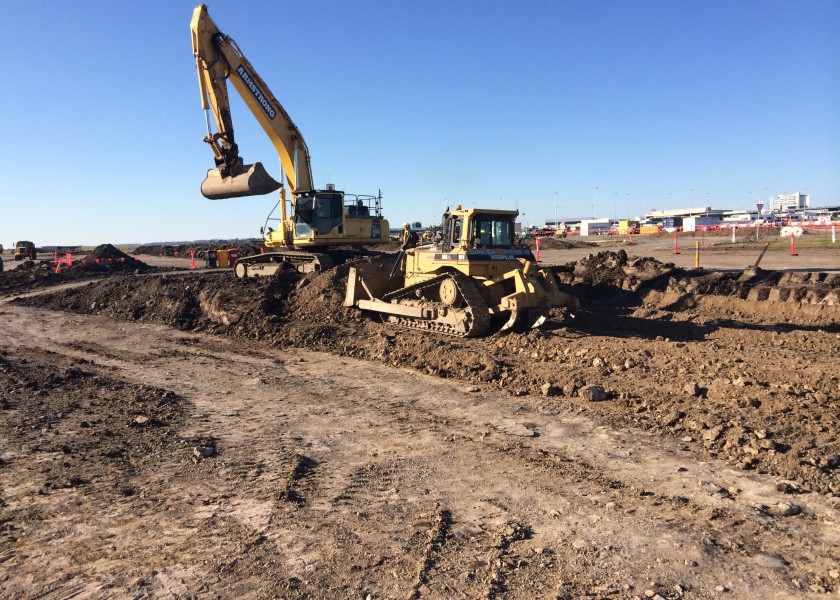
(24, 250)
(320, 217)
(331, 218)
(461, 283)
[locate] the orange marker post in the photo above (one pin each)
(792, 245)
(538, 249)
(192, 254)
(676, 245)
(697, 254)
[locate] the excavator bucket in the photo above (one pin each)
(251, 180)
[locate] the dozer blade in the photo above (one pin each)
(253, 180)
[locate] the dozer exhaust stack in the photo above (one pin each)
(247, 180)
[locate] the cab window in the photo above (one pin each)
(491, 231)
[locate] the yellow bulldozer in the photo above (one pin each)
(470, 282)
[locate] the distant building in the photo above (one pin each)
(595, 226)
(795, 201)
(740, 216)
(700, 211)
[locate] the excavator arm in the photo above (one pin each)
(217, 60)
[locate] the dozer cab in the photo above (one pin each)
(470, 282)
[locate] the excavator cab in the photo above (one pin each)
(320, 212)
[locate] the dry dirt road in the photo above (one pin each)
(331, 477)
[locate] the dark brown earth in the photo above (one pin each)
(720, 401)
(245, 248)
(102, 261)
(733, 374)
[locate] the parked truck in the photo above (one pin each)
(25, 250)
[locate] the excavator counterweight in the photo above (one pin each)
(251, 180)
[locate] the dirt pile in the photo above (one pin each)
(705, 356)
(245, 248)
(103, 260)
(554, 243)
(202, 302)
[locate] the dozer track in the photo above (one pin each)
(472, 320)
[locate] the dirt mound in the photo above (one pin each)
(245, 248)
(105, 260)
(318, 298)
(28, 265)
(207, 302)
(108, 252)
(684, 353)
(554, 243)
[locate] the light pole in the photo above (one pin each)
(595, 206)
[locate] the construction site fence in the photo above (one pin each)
(811, 226)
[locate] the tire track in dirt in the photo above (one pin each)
(595, 506)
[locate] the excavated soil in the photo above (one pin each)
(245, 248)
(103, 260)
(553, 243)
(686, 353)
(737, 372)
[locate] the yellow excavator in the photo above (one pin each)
(320, 219)
(472, 281)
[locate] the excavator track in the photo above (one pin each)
(476, 315)
(267, 264)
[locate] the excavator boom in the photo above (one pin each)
(218, 60)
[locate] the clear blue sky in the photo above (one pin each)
(499, 104)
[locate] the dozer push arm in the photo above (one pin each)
(218, 59)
